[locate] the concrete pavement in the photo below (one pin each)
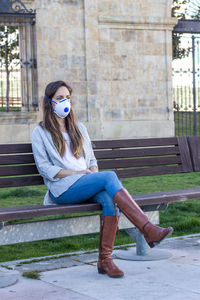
(75, 277)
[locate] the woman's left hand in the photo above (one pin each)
(94, 169)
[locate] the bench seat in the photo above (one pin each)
(151, 201)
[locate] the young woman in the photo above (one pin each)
(65, 159)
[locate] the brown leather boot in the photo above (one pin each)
(105, 263)
(152, 233)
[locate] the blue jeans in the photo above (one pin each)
(95, 187)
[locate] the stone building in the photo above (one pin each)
(117, 57)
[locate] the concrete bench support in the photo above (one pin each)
(34, 231)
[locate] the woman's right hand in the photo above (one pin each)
(87, 171)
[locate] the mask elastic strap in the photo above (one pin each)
(49, 99)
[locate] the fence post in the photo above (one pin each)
(194, 86)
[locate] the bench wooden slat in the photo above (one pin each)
(18, 170)
(16, 159)
(26, 147)
(105, 164)
(194, 146)
(136, 152)
(185, 154)
(15, 148)
(123, 173)
(112, 144)
(167, 196)
(20, 181)
(18, 213)
(127, 173)
(138, 162)
(28, 158)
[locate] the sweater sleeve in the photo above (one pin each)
(44, 165)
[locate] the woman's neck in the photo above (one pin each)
(61, 123)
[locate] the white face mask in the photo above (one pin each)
(62, 107)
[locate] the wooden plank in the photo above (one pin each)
(101, 144)
(126, 143)
(15, 148)
(20, 181)
(16, 159)
(18, 170)
(42, 211)
(121, 153)
(138, 162)
(167, 196)
(194, 146)
(126, 173)
(185, 154)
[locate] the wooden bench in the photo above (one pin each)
(128, 158)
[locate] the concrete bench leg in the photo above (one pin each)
(142, 252)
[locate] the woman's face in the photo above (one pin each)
(61, 93)
(61, 102)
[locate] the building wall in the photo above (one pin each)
(116, 55)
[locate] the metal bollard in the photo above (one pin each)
(141, 244)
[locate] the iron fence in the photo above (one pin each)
(186, 87)
(18, 68)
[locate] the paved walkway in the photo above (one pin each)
(75, 277)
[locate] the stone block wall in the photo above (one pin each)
(116, 55)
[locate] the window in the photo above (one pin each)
(18, 67)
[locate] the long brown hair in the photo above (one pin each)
(51, 124)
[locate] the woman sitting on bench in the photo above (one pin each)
(64, 157)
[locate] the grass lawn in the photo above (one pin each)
(183, 216)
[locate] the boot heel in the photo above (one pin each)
(152, 244)
(101, 271)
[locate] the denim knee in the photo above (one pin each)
(113, 184)
(111, 175)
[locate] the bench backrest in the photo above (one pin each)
(194, 146)
(128, 158)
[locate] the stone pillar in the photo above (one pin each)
(134, 86)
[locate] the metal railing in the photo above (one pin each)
(186, 87)
(18, 68)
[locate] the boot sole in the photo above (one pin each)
(153, 244)
(101, 271)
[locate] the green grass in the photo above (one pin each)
(183, 216)
(32, 275)
(11, 108)
(56, 246)
(10, 197)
